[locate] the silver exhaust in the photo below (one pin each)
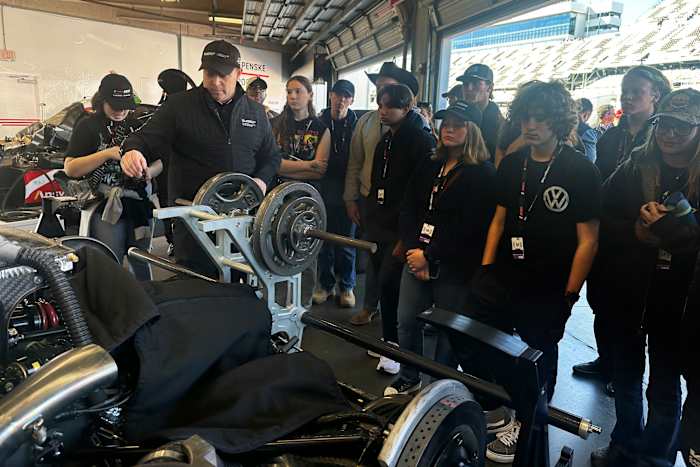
(62, 381)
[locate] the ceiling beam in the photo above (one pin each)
(171, 9)
(261, 20)
(348, 10)
(301, 17)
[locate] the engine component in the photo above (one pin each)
(279, 230)
(193, 452)
(50, 389)
(229, 193)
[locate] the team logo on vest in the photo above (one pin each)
(556, 199)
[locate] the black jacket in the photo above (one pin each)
(615, 146)
(333, 182)
(409, 147)
(461, 215)
(491, 124)
(202, 146)
(624, 266)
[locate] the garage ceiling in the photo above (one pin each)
(288, 25)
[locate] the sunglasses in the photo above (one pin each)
(679, 128)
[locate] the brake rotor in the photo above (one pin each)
(229, 192)
(278, 229)
(290, 241)
(442, 426)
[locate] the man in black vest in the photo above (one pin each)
(210, 129)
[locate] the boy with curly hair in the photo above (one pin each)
(544, 234)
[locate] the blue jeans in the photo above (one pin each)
(657, 441)
(335, 260)
(415, 297)
(119, 237)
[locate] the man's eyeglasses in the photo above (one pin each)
(679, 128)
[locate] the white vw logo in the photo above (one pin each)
(556, 198)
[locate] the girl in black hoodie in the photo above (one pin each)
(443, 223)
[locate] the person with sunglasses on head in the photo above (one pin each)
(337, 263)
(397, 155)
(643, 88)
(542, 238)
(210, 129)
(443, 223)
(673, 225)
(358, 179)
(648, 273)
(305, 142)
(477, 89)
(93, 154)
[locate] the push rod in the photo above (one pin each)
(566, 421)
(146, 257)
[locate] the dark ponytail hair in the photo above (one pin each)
(97, 103)
(287, 115)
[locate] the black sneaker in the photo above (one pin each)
(592, 368)
(502, 450)
(402, 386)
(498, 420)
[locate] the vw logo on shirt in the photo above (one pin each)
(556, 199)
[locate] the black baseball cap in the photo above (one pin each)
(257, 83)
(461, 110)
(172, 80)
(392, 70)
(478, 71)
(220, 56)
(345, 87)
(118, 92)
(455, 91)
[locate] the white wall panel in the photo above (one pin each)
(69, 56)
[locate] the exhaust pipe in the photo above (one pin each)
(62, 381)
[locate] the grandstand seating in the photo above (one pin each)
(661, 36)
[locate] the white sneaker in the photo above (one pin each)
(347, 299)
(502, 450)
(321, 296)
(388, 366)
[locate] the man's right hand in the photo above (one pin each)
(353, 211)
(134, 164)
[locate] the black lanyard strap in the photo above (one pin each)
(523, 215)
(441, 183)
(388, 139)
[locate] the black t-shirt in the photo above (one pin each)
(569, 195)
(96, 133)
(301, 139)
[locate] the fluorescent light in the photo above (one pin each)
(226, 20)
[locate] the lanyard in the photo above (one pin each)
(296, 144)
(342, 138)
(441, 183)
(388, 139)
(522, 214)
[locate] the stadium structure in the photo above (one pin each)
(667, 36)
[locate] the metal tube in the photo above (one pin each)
(183, 202)
(61, 382)
(341, 240)
(146, 257)
(241, 267)
(206, 216)
(573, 424)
